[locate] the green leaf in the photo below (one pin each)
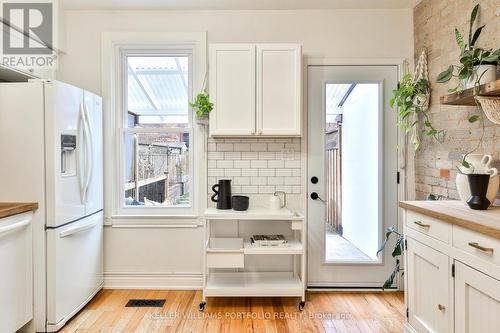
(474, 118)
(446, 75)
(460, 39)
(465, 164)
(473, 16)
(476, 35)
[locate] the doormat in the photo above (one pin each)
(145, 303)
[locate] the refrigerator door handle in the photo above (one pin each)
(76, 230)
(81, 170)
(89, 149)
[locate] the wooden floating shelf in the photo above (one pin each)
(466, 97)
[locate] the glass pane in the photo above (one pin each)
(352, 154)
(157, 91)
(156, 169)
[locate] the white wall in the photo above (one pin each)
(175, 255)
(360, 168)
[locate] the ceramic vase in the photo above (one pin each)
(485, 72)
(480, 164)
(478, 184)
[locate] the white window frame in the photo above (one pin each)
(115, 48)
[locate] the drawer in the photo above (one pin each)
(429, 226)
(479, 245)
(225, 253)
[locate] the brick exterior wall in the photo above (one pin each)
(434, 22)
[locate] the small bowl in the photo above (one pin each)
(240, 202)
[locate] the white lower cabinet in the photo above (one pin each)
(429, 273)
(477, 301)
(452, 278)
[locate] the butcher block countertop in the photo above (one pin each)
(12, 208)
(456, 212)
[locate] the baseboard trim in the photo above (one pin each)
(132, 280)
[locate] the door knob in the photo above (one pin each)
(315, 196)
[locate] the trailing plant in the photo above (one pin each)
(410, 99)
(396, 253)
(202, 105)
(471, 57)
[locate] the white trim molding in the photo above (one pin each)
(113, 46)
(142, 280)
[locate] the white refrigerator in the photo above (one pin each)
(52, 152)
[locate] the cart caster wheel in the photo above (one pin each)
(202, 306)
(301, 305)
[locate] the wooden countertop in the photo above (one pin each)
(12, 208)
(456, 212)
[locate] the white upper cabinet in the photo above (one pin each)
(256, 89)
(278, 89)
(232, 89)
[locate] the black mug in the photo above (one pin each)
(222, 191)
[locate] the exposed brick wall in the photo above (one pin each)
(434, 22)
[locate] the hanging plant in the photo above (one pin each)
(410, 100)
(202, 105)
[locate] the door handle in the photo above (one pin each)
(315, 196)
(481, 248)
(420, 224)
(76, 230)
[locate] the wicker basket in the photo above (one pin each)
(491, 107)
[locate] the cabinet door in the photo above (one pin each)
(232, 89)
(477, 301)
(279, 89)
(429, 281)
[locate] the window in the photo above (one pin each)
(156, 132)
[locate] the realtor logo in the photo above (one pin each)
(28, 34)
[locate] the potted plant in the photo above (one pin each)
(410, 99)
(477, 65)
(202, 106)
(396, 253)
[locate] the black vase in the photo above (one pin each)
(222, 194)
(478, 184)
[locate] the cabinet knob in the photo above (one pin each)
(441, 307)
(260, 131)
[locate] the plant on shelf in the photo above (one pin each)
(469, 71)
(396, 253)
(410, 99)
(202, 105)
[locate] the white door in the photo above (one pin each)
(477, 301)
(74, 268)
(63, 123)
(429, 289)
(232, 89)
(94, 176)
(352, 174)
(279, 89)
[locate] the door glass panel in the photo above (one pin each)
(352, 167)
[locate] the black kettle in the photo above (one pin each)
(222, 191)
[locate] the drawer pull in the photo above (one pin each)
(420, 224)
(441, 307)
(482, 248)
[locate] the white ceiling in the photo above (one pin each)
(238, 4)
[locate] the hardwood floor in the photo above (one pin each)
(324, 312)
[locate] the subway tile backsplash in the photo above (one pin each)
(256, 165)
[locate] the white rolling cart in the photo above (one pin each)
(224, 273)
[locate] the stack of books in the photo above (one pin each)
(269, 240)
